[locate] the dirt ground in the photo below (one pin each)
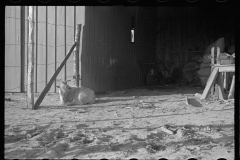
(143, 123)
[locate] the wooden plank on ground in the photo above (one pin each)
(210, 82)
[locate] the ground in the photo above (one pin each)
(143, 123)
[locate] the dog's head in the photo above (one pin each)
(63, 87)
(63, 84)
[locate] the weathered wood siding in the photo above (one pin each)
(109, 59)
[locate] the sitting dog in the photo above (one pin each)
(75, 95)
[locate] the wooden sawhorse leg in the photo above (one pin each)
(231, 92)
(210, 82)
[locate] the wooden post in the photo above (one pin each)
(30, 94)
(211, 81)
(48, 86)
(212, 63)
(23, 48)
(220, 88)
(76, 55)
(231, 92)
(219, 80)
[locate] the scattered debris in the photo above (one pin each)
(81, 111)
(198, 95)
(186, 100)
(166, 130)
(148, 105)
(179, 133)
(204, 128)
(7, 99)
(192, 148)
(153, 148)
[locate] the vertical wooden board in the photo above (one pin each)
(69, 40)
(94, 38)
(107, 54)
(12, 55)
(17, 55)
(83, 56)
(80, 19)
(51, 44)
(129, 57)
(9, 46)
(26, 48)
(41, 49)
(96, 52)
(91, 49)
(60, 39)
(101, 45)
(117, 44)
(126, 64)
(35, 46)
(114, 47)
(106, 76)
(85, 51)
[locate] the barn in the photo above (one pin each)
(151, 69)
(108, 58)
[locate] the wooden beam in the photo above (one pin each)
(210, 82)
(23, 48)
(231, 92)
(227, 69)
(48, 86)
(220, 89)
(76, 55)
(212, 63)
(30, 94)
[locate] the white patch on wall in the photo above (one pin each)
(112, 61)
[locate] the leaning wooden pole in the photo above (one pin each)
(30, 94)
(231, 92)
(48, 86)
(76, 55)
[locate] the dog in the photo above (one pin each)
(75, 95)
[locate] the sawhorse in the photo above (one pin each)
(217, 77)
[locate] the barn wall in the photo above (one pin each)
(12, 48)
(54, 31)
(184, 32)
(109, 59)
